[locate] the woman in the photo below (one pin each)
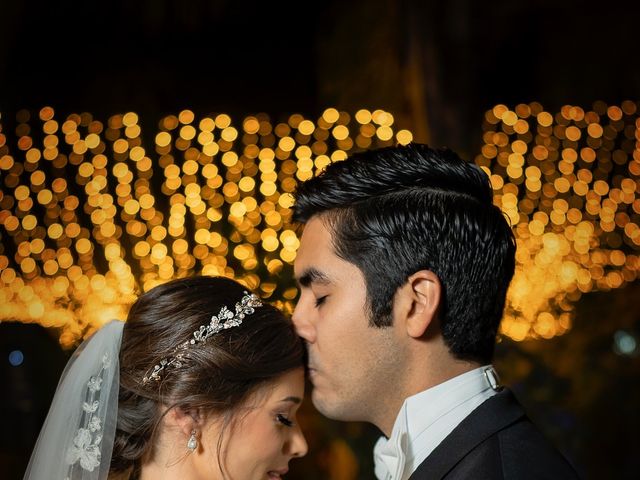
(203, 381)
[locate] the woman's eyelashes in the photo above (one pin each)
(320, 300)
(281, 418)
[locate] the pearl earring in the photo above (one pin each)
(192, 444)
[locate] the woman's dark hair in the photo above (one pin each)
(218, 376)
(397, 210)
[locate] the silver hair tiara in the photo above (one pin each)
(224, 320)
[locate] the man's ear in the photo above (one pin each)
(422, 292)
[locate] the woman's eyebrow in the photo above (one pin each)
(296, 400)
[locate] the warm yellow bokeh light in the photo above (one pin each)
(210, 198)
(563, 250)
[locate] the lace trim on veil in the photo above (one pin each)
(76, 440)
(85, 450)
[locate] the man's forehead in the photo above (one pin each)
(314, 252)
(316, 227)
(315, 240)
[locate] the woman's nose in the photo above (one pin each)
(299, 447)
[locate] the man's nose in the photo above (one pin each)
(301, 322)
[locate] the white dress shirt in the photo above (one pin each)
(426, 418)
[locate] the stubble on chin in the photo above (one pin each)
(338, 404)
(327, 400)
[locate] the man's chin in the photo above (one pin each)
(330, 406)
(319, 400)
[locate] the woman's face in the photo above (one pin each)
(263, 438)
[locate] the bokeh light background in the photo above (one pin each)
(92, 218)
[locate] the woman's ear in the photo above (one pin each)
(423, 292)
(186, 421)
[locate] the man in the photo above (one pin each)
(403, 268)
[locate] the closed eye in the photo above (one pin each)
(284, 420)
(320, 301)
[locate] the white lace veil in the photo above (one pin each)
(76, 440)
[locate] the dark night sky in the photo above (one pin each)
(157, 57)
(160, 56)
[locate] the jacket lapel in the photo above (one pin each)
(495, 414)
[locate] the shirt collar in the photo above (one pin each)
(414, 420)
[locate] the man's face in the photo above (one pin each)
(351, 364)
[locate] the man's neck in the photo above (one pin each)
(416, 383)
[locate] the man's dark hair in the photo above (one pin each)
(398, 210)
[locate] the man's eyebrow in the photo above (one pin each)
(296, 400)
(313, 275)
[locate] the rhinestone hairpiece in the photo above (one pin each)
(224, 320)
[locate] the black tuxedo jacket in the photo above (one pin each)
(496, 441)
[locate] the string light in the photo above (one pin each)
(569, 185)
(91, 217)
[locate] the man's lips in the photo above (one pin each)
(313, 375)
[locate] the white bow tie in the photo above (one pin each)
(389, 455)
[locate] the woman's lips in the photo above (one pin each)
(276, 474)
